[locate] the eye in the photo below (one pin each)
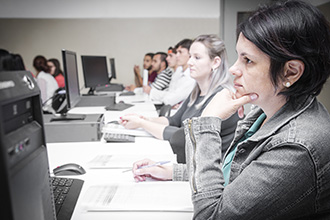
(247, 60)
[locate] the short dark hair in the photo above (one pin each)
(40, 63)
(185, 43)
(287, 31)
(150, 55)
(162, 57)
(173, 49)
(18, 63)
(58, 69)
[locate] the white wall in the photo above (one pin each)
(109, 9)
(124, 29)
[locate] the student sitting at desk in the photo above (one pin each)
(164, 73)
(147, 60)
(181, 83)
(208, 64)
(278, 164)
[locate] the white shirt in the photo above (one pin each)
(47, 85)
(179, 89)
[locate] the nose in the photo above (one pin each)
(190, 62)
(235, 70)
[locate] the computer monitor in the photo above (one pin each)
(72, 90)
(112, 69)
(95, 72)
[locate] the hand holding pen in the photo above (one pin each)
(148, 168)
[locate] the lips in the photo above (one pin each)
(237, 85)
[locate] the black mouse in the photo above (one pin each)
(69, 169)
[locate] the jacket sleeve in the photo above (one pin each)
(263, 189)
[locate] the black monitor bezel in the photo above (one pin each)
(104, 81)
(70, 103)
(113, 68)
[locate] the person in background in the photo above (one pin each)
(10, 62)
(18, 63)
(171, 58)
(181, 83)
(277, 166)
(208, 66)
(3, 56)
(147, 61)
(164, 73)
(56, 72)
(45, 80)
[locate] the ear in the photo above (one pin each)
(216, 62)
(293, 70)
(163, 65)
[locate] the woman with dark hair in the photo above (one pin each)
(277, 166)
(46, 82)
(10, 62)
(18, 63)
(56, 72)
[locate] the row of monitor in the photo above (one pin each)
(95, 74)
(96, 71)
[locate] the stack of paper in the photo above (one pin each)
(144, 196)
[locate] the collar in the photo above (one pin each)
(279, 119)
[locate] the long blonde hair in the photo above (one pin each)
(219, 76)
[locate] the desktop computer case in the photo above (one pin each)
(88, 129)
(26, 191)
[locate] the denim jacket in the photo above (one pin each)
(281, 172)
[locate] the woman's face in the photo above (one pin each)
(251, 72)
(147, 62)
(199, 62)
(51, 67)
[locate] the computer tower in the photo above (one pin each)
(86, 129)
(24, 171)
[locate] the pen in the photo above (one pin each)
(159, 163)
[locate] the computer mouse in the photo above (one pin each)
(69, 169)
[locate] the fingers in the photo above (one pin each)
(140, 177)
(240, 112)
(245, 99)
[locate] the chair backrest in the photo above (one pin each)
(165, 110)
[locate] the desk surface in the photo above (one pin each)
(83, 152)
(124, 155)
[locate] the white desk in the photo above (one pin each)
(144, 147)
(141, 102)
(82, 152)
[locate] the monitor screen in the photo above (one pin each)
(95, 71)
(71, 78)
(113, 68)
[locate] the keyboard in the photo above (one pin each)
(117, 137)
(66, 192)
(118, 107)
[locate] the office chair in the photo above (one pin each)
(165, 110)
(178, 143)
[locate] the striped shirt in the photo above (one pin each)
(163, 79)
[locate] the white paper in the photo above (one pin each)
(145, 77)
(144, 196)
